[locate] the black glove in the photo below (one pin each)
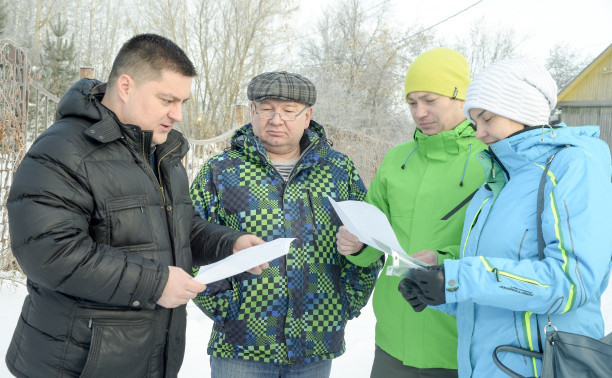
(424, 287)
(410, 291)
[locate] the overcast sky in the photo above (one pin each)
(583, 24)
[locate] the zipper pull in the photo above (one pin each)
(90, 322)
(496, 271)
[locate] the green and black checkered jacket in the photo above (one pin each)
(295, 311)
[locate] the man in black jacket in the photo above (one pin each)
(102, 224)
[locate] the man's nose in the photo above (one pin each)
(420, 111)
(176, 112)
(276, 119)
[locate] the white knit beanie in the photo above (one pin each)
(518, 89)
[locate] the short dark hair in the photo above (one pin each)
(144, 57)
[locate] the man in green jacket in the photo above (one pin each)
(423, 186)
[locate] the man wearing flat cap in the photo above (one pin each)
(274, 182)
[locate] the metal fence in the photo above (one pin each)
(43, 105)
(14, 78)
(202, 150)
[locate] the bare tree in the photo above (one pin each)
(358, 63)
(97, 26)
(230, 46)
(3, 16)
(564, 63)
(29, 19)
(227, 42)
(100, 28)
(485, 44)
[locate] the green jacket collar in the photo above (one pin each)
(445, 143)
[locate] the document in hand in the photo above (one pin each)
(244, 260)
(372, 227)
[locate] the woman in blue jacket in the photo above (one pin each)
(499, 289)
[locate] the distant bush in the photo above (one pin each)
(366, 152)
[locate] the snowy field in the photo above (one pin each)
(356, 362)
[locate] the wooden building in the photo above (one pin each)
(587, 100)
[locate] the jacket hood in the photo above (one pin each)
(82, 100)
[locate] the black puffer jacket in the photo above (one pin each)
(95, 231)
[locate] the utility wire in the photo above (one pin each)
(410, 36)
(427, 28)
(325, 29)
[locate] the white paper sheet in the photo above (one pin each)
(372, 227)
(244, 260)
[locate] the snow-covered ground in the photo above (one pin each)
(356, 362)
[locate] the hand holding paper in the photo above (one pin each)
(179, 289)
(372, 227)
(244, 260)
(247, 241)
(346, 242)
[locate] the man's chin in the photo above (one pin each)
(429, 131)
(159, 139)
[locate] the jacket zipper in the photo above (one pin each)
(461, 204)
(282, 201)
(521, 245)
(474, 220)
(496, 159)
(314, 219)
(291, 360)
(148, 164)
(163, 193)
(161, 185)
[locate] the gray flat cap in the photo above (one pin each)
(283, 86)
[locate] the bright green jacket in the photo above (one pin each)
(423, 186)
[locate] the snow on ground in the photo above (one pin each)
(356, 362)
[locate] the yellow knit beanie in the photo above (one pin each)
(442, 71)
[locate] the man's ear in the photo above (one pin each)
(308, 117)
(125, 83)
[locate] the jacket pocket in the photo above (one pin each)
(512, 276)
(117, 343)
(129, 223)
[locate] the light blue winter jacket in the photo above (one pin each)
(499, 290)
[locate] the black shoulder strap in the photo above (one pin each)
(540, 208)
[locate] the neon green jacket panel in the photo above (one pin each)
(425, 202)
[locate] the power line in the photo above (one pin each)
(313, 33)
(427, 28)
(412, 35)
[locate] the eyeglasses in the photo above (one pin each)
(284, 116)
